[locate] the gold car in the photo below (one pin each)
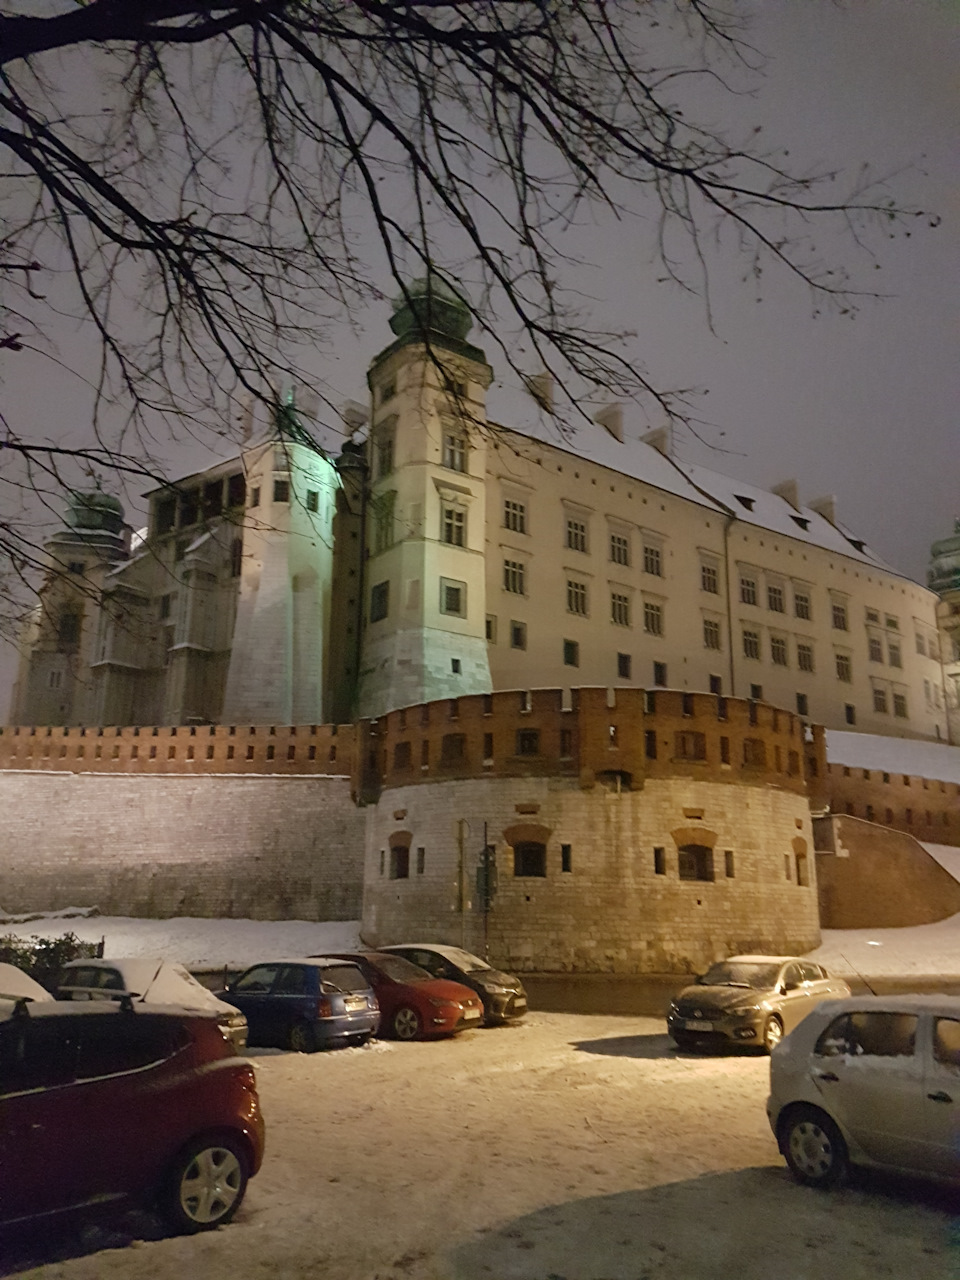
(750, 1000)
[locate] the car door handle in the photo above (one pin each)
(826, 1075)
(939, 1096)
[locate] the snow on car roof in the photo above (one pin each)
(154, 980)
(17, 985)
(758, 959)
(934, 1002)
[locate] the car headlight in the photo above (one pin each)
(494, 990)
(443, 1004)
(742, 1011)
(674, 1008)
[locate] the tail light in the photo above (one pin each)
(324, 1008)
(247, 1076)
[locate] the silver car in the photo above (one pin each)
(870, 1080)
(750, 1000)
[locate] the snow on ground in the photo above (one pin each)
(568, 1147)
(926, 951)
(947, 855)
(199, 944)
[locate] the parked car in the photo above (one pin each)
(414, 1004)
(871, 1080)
(151, 981)
(750, 1000)
(306, 1004)
(17, 985)
(503, 996)
(113, 1103)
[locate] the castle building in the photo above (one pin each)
(446, 555)
(943, 577)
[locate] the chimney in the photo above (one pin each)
(540, 386)
(611, 418)
(826, 507)
(661, 439)
(787, 490)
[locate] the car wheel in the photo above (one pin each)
(301, 1038)
(406, 1023)
(772, 1033)
(206, 1184)
(814, 1148)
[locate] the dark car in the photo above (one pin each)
(750, 1000)
(113, 1103)
(503, 996)
(413, 1004)
(306, 1004)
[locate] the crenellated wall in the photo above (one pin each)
(925, 808)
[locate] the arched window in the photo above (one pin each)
(695, 862)
(529, 858)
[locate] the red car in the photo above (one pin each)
(414, 1004)
(108, 1103)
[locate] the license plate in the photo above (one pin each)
(471, 1013)
(519, 1002)
(353, 1003)
(696, 1025)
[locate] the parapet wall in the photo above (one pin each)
(925, 808)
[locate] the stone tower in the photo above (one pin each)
(55, 683)
(424, 582)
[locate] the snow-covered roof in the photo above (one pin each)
(913, 756)
(748, 503)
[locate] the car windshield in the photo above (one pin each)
(740, 973)
(464, 960)
(400, 970)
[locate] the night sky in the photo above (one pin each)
(861, 406)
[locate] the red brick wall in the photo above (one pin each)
(925, 808)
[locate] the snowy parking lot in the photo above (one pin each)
(568, 1147)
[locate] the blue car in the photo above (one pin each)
(304, 1005)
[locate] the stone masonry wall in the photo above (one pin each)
(612, 911)
(282, 847)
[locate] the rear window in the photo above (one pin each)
(93, 976)
(400, 970)
(124, 1042)
(344, 977)
(873, 1035)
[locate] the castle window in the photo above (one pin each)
(893, 654)
(514, 516)
(748, 590)
(383, 446)
(921, 647)
(313, 500)
(453, 748)
(689, 745)
(850, 713)
(875, 649)
(659, 678)
(804, 656)
(454, 451)
(620, 609)
(566, 744)
(212, 499)
(900, 705)
(571, 653)
(802, 705)
(711, 633)
(624, 665)
(236, 564)
(801, 605)
(775, 598)
(379, 601)
(576, 535)
(754, 753)
(652, 561)
(751, 644)
(709, 579)
(695, 862)
(421, 860)
(619, 548)
(778, 651)
(382, 507)
(490, 625)
(402, 756)
(166, 514)
(880, 701)
(518, 635)
(514, 574)
(528, 742)
(566, 857)
(844, 669)
(399, 862)
(453, 597)
(530, 859)
(659, 861)
(255, 496)
(53, 680)
(189, 508)
(756, 694)
(281, 490)
(453, 526)
(236, 489)
(68, 631)
(728, 866)
(652, 618)
(838, 613)
(165, 603)
(576, 597)
(650, 743)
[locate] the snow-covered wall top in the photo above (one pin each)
(933, 760)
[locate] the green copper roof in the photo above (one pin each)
(432, 306)
(944, 572)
